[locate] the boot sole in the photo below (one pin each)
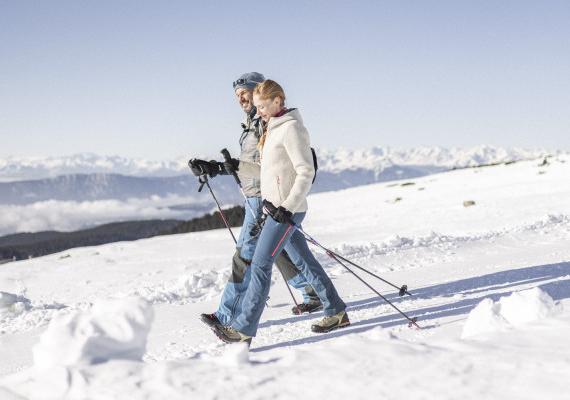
(332, 328)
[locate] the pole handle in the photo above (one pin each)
(228, 158)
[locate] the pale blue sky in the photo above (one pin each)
(153, 79)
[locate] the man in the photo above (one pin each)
(232, 297)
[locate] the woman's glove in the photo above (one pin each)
(283, 216)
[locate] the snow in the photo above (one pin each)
(112, 329)
(490, 285)
(377, 158)
(12, 305)
(85, 190)
(511, 311)
(332, 160)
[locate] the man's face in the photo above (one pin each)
(245, 99)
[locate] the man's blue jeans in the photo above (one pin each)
(273, 239)
(232, 297)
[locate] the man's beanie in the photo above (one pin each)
(248, 81)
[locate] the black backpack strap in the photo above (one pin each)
(315, 164)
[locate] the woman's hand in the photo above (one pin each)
(283, 216)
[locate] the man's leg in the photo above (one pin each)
(301, 255)
(296, 279)
(230, 304)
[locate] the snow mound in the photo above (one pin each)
(527, 306)
(12, 305)
(510, 311)
(113, 329)
(30, 317)
(18, 313)
(198, 286)
(234, 355)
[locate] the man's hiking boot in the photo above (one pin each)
(228, 334)
(210, 319)
(310, 307)
(333, 322)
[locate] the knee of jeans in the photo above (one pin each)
(239, 268)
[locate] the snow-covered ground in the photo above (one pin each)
(490, 284)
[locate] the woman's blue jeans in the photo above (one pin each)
(274, 238)
(232, 297)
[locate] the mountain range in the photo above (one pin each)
(377, 159)
(83, 190)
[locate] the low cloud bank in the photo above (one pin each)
(71, 215)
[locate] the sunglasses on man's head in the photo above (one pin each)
(243, 81)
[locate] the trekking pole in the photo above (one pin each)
(401, 290)
(334, 256)
(203, 179)
(227, 158)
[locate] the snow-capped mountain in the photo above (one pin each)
(80, 191)
(379, 158)
(31, 168)
(375, 158)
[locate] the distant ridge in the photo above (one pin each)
(330, 160)
(25, 245)
(86, 190)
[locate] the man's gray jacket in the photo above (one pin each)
(252, 130)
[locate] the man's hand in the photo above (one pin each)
(231, 166)
(203, 167)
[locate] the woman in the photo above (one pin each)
(286, 172)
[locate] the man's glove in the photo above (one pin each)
(203, 167)
(231, 166)
(283, 216)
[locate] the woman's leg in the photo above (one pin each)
(273, 238)
(300, 254)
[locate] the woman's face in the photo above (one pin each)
(267, 108)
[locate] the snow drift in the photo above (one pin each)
(510, 311)
(112, 329)
(12, 305)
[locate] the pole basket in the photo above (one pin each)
(413, 323)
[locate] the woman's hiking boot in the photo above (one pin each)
(333, 322)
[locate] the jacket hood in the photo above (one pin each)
(292, 115)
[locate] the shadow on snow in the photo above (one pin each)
(548, 277)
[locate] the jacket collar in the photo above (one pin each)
(292, 114)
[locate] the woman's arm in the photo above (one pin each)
(297, 144)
